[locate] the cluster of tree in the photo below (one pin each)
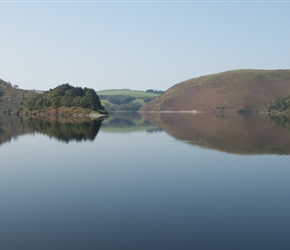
(281, 105)
(67, 96)
(155, 91)
(281, 120)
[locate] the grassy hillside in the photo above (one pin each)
(238, 90)
(125, 99)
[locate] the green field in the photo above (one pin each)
(126, 99)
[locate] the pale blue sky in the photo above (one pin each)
(138, 45)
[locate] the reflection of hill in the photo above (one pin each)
(127, 122)
(66, 129)
(77, 129)
(253, 134)
(11, 127)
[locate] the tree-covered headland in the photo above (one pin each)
(68, 96)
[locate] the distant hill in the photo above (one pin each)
(237, 90)
(126, 99)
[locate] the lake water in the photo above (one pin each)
(174, 181)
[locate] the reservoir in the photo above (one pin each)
(156, 181)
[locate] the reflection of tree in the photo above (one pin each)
(63, 129)
(281, 120)
(66, 131)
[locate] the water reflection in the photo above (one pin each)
(68, 129)
(281, 120)
(11, 127)
(232, 133)
(121, 122)
(63, 129)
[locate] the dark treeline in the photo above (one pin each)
(155, 91)
(67, 96)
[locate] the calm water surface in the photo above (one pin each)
(191, 182)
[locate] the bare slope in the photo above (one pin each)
(238, 90)
(13, 99)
